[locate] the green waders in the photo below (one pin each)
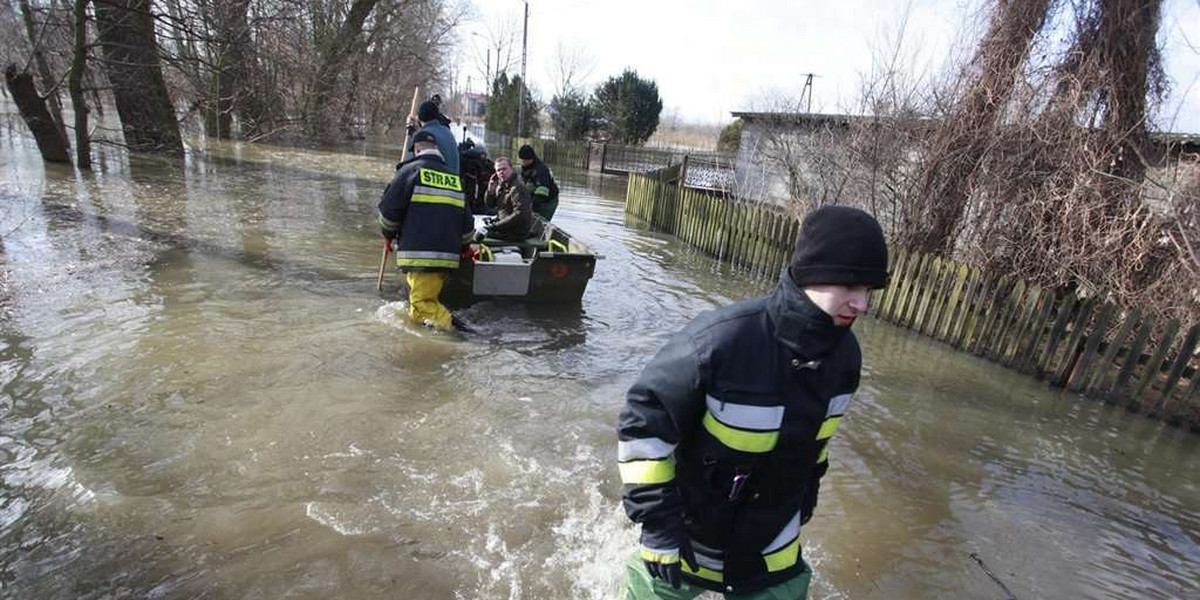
(639, 585)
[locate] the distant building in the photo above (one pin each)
(793, 155)
(471, 107)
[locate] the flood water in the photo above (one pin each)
(203, 396)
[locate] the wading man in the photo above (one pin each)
(543, 190)
(425, 209)
(724, 437)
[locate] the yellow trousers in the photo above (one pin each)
(424, 287)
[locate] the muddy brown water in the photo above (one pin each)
(203, 396)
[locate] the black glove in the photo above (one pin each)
(809, 503)
(664, 546)
(388, 234)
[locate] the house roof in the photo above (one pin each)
(1184, 141)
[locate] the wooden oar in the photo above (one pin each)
(387, 246)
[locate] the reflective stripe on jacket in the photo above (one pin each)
(540, 182)
(424, 204)
(728, 426)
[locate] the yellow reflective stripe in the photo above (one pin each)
(427, 262)
(703, 572)
(783, 558)
(438, 179)
(645, 472)
(824, 455)
(541, 190)
(659, 556)
(429, 199)
(746, 441)
(828, 427)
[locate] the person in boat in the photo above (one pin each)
(543, 190)
(514, 211)
(424, 208)
(724, 437)
(477, 170)
(430, 118)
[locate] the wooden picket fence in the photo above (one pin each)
(1075, 341)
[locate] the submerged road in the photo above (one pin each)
(202, 396)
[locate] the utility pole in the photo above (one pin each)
(521, 91)
(807, 91)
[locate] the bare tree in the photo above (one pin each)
(570, 67)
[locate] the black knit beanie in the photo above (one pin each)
(839, 245)
(428, 111)
(526, 153)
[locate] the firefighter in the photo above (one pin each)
(430, 118)
(724, 437)
(543, 190)
(424, 208)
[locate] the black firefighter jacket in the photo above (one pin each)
(727, 429)
(424, 205)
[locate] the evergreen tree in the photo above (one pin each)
(628, 107)
(731, 137)
(502, 111)
(571, 115)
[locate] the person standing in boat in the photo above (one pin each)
(724, 438)
(538, 179)
(424, 207)
(430, 118)
(514, 212)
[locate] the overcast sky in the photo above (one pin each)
(710, 57)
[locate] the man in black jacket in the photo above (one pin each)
(543, 190)
(724, 437)
(425, 208)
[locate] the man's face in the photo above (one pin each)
(504, 169)
(844, 303)
(525, 162)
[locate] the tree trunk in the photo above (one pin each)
(233, 34)
(126, 32)
(83, 146)
(332, 59)
(963, 138)
(33, 109)
(49, 83)
(1127, 32)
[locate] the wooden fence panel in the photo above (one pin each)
(1012, 299)
(1098, 385)
(1020, 330)
(1071, 351)
(962, 317)
(947, 319)
(1046, 358)
(1077, 377)
(1186, 351)
(1040, 325)
(1154, 367)
(1121, 386)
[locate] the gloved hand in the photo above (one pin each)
(664, 545)
(388, 235)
